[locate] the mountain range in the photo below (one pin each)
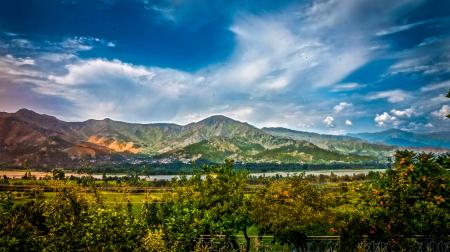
(398, 137)
(29, 138)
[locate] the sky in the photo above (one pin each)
(328, 66)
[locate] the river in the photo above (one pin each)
(39, 174)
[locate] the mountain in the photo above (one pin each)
(338, 143)
(408, 139)
(39, 140)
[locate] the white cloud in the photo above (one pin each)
(442, 112)
(346, 87)
(57, 57)
(432, 40)
(403, 113)
(417, 126)
(279, 51)
(385, 119)
(99, 88)
(118, 89)
(18, 69)
(436, 86)
(11, 34)
(84, 43)
(288, 52)
(305, 125)
(392, 96)
(166, 13)
(397, 118)
(241, 113)
(425, 63)
(348, 123)
(400, 28)
(22, 43)
(78, 44)
(27, 61)
(341, 106)
(269, 55)
(20, 61)
(329, 121)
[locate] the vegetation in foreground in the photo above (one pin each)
(410, 199)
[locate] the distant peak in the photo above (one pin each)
(393, 130)
(218, 118)
(25, 111)
(30, 115)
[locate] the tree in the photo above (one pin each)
(58, 174)
(210, 203)
(355, 212)
(22, 225)
(72, 220)
(414, 197)
(290, 209)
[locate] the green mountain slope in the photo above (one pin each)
(342, 144)
(275, 150)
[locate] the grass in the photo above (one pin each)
(109, 198)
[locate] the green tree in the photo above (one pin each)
(71, 221)
(356, 212)
(209, 203)
(58, 174)
(22, 225)
(415, 197)
(290, 209)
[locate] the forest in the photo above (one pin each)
(222, 208)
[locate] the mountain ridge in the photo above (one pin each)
(340, 143)
(397, 137)
(40, 139)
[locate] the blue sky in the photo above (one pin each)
(330, 66)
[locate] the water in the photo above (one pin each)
(350, 172)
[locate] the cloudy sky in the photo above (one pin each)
(330, 66)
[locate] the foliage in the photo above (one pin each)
(72, 220)
(153, 241)
(208, 209)
(415, 196)
(58, 174)
(290, 209)
(408, 200)
(214, 204)
(356, 212)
